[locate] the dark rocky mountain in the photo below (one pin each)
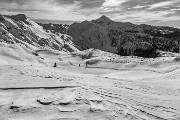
(124, 38)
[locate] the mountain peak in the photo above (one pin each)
(104, 18)
(19, 17)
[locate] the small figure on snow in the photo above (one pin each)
(55, 65)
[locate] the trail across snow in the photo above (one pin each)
(110, 88)
(46, 93)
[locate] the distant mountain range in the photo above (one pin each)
(102, 33)
(121, 38)
(68, 22)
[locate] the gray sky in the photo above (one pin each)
(155, 12)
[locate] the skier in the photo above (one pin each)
(55, 65)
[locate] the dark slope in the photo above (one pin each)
(124, 38)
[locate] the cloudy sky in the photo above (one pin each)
(155, 12)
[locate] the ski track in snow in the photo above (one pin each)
(88, 99)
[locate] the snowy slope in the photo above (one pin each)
(21, 38)
(18, 54)
(20, 29)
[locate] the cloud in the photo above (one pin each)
(113, 3)
(38, 9)
(145, 16)
(83, 3)
(163, 4)
(139, 6)
(175, 9)
(53, 9)
(136, 11)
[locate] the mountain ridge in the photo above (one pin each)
(20, 29)
(103, 33)
(125, 38)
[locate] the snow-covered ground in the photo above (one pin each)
(83, 85)
(110, 88)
